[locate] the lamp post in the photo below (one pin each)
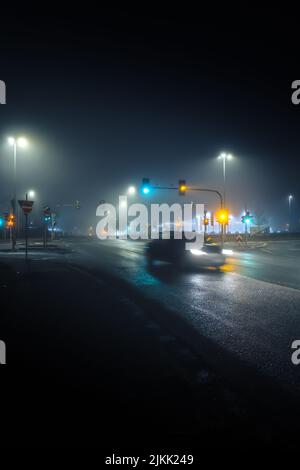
(224, 157)
(15, 143)
(290, 199)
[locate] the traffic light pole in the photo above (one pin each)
(194, 189)
(221, 202)
(26, 235)
(208, 190)
(45, 234)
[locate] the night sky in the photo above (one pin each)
(110, 96)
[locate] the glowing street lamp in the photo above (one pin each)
(131, 190)
(31, 194)
(16, 142)
(225, 157)
(290, 199)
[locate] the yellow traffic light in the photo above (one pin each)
(10, 221)
(182, 187)
(222, 216)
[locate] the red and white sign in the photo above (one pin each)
(26, 206)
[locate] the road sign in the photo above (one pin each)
(26, 206)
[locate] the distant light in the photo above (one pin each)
(22, 142)
(31, 193)
(225, 156)
(131, 190)
(198, 252)
(146, 190)
(208, 215)
(227, 252)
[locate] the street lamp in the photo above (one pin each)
(224, 156)
(131, 190)
(290, 199)
(31, 194)
(21, 142)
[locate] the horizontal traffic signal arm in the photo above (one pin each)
(190, 188)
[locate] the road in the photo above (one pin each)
(226, 334)
(87, 366)
(249, 311)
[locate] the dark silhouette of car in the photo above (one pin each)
(174, 251)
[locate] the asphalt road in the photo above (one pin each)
(89, 367)
(249, 311)
(230, 331)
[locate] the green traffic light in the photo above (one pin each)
(146, 186)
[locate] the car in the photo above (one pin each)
(174, 251)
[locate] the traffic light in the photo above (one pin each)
(182, 187)
(46, 214)
(146, 186)
(10, 221)
(77, 204)
(222, 216)
(1, 222)
(247, 218)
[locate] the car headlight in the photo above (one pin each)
(227, 252)
(198, 252)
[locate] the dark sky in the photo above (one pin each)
(110, 96)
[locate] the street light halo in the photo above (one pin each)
(225, 156)
(22, 142)
(131, 190)
(11, 140)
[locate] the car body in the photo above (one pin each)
(174, 251)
